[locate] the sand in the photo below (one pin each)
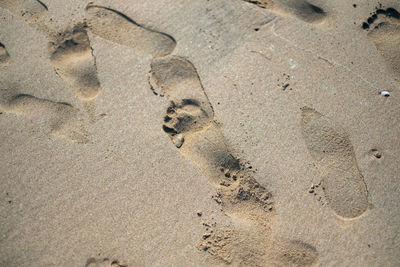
(199, 133)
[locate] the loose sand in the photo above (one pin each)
(200, 133)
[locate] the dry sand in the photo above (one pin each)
(200, 133)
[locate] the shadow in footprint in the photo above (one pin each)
(92, 262)
(299, 9)
(118, 28)
(74, 61)
(334, 157)
(4, 56)
(190, 124)
(384, 32)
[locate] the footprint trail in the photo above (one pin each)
(333, 153)
(384, 32)
(118, 28)
(299, 9)
(73, 60)
(190, 124)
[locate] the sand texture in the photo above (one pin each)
(199, 133)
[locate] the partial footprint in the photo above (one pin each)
(300, 9)
(4, 56)
(248, 246)
(92, 262)
(242, 197)
(190, 124)
(384, 32)
(294, 253)
(73, 60)
(116, 27)
(32, 11)
(236, 247)
(250, 206)
(330, 147)
(62, 118)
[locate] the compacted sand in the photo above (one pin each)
(199, 133)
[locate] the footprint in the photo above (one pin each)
(92, 262)
(334, 157)
(189, 122)
(32, 11)
(4, 56)
(74, 61)
(63, 119)
(116, 27)
(384, 32)
(299, 9)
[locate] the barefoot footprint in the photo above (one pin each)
(118, 28)
(63, 118)
(4, 56)
(190, 118)
(73, 60)
(190, 124)
(330, 147)
(384, 32)
(299, 9)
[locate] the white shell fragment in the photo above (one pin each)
(385, 93)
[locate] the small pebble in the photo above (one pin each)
(385, 93)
